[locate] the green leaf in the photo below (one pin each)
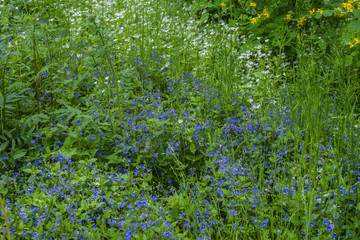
(204, 17)
(69, 142)
(328, 13)
(192, 148)
(19, 154)
(175, 213)
(3, 146)
(355, 25)
(57, 167)
(27, 170)
(357, 13)
(114, 159)
(3, 190)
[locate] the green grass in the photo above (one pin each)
(143, 119)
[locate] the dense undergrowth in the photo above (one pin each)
(140, 119)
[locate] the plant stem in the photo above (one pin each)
(36, 71)
(2, 203)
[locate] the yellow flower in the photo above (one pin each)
(351, 45)
(253, 20)
(265, 14)
(320, 11)
(301, 21)
(348, 6)
(288, 16)
(252, 4)
(356, 41)
(223, 5)
(312, 11)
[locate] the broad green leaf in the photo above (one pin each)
(328, 13)
(355, 25)
(357, 13)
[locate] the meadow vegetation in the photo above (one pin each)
(179, 119)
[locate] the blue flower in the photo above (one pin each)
(35, 235)
(325, 222)
(167, 234)
(234, 212)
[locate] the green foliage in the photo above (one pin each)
(160, 119)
